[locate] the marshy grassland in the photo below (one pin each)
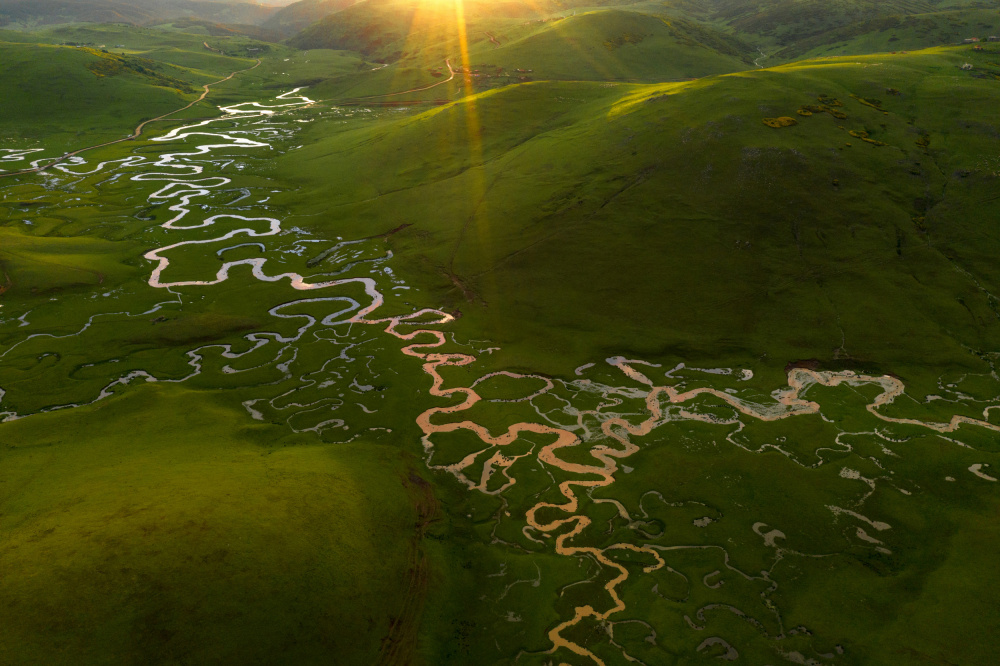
(578, 356)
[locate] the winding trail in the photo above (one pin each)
(412, 90)
(138, 130)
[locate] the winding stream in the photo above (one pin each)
(182, 178)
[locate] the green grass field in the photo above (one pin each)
(101, 86)
(230, 469)
(137, 536)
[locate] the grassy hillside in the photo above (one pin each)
(899, 33)
(193, 538)
(598, 45)
(82, 84)
(796, 29)
(299, 15)
(34, 13)
(216, 29)
(155, 42)
(761, 243)
(393, 29)
(18, 13)
(46, 86)
(387, 29)
(615, 45)
(788, 21)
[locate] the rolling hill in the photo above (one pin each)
(608, 44)
(47, 83)
(788, 21)
(393, 29)
(26, 13)
(300, 15)
(898, 33)
(827, 205)
(614, 45)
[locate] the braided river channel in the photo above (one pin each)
(596, 502)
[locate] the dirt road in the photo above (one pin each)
(413, 90)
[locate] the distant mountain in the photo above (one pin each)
(27, 13)
(299, 15)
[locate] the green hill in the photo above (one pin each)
(205, 557)
(388, 29)
(23, 13)
(614, 45)
(33, 13)
(898, 33)
(299, 15)
(151, 73)
(789, 21)
(216, 29)
(45, 86)
(393, 29)
(759, 230)
(598, 45)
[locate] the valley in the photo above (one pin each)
(539, 335)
